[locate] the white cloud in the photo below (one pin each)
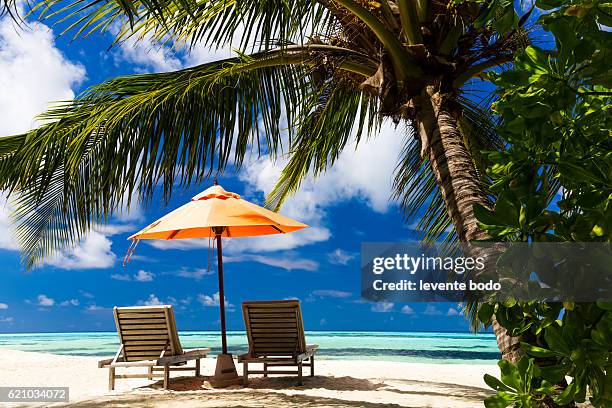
(120, 277)
(452, 312)
(382, 307)
(407, 310)
(288, 262)
(151, 301)
(363, 171)
(95, 308)
(114, 229)
(3, 306)
(140, 276)
(71, 302)
(195, 273)
(340, 257)
(431, 310)
(214, 300)
(34, 73)
(144, 276)
(44, 300)
(93, 252)
(7, 319)
(145, 54)
(331, 293)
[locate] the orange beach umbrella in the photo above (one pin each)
(216, 213)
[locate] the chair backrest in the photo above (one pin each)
(146, 331)
(274, 328)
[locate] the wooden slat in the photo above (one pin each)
(127, 339)
(132, 349)
(141, 332)
(143, 355)
(275, 344)
(266, 320)
(156, 315)
(135, 309)
(153, 343)
(273, 325)
(271, 310)
(287, 330)
(127, 327)
(143, 321)
(273, 304)
(281, 340)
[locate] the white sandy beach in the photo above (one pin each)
(338, 383)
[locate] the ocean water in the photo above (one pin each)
(450, 348)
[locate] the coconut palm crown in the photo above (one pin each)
(330, 69)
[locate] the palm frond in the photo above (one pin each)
(133, 133)
(262, 23)
(337, 113)
(11, 9)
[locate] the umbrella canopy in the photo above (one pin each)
(215, 207)
(218, 213)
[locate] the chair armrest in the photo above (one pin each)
(104, 363)
(186, 356)
(246, 356)
(311, 349)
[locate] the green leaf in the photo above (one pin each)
(498, 401)
(537, 351)
(496, 384)
(485, 313)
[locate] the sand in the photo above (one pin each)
(338, 384)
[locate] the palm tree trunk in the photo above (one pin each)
(450, 161)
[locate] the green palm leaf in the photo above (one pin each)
(132, 133)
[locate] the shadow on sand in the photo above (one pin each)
(268, 393)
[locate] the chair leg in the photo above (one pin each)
(197, 369)
(111, 378)
(300, 380)
(151, 373)
(245, 374)
(166, 376)
(265, 369)
(312, 366)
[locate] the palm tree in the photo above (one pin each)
(331, 68)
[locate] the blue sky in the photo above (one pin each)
(76, 290)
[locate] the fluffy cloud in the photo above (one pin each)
(195, 273)
(331, 293)
(382, 307)
(340, 257)
(34, 73)
(145, 54)
(3, 306)
(151, 301)
(144, 276)
(71, 302)
(140, 276)
(45, 301)
(452, 312)
(93, 252)
(214, 300)
(407, 310)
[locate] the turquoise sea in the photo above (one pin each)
(453, 348)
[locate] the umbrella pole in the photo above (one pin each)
(225, 371)
(221, 293)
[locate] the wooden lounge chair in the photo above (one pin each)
(275, 331)
(149, 339)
